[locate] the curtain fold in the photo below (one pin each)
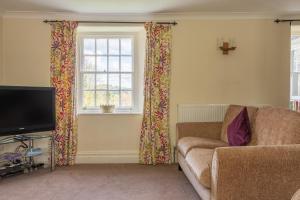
(154, 138)
(62, 69)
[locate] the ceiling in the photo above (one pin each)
(152, 6)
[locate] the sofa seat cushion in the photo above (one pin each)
(199, 160)
(185, 144)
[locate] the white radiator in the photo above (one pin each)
(201, 113)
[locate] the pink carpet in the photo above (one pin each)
(100, 182)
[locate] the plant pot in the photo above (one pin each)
(107, 108)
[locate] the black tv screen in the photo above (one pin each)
(26, 109)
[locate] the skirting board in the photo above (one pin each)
(96, 157)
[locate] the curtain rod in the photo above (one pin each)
(112, 22)
(286, 20)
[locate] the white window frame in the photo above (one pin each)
(292, 70)
(136, 91)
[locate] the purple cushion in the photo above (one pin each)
(239, 131)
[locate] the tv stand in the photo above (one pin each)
(27, 164)
(21, 137)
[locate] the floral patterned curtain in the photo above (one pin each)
(63, 52)
(154, 139)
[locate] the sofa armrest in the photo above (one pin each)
(296, 195)
(256, 172)
(210, 130)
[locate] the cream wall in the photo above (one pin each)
(27, 56)
(26, 53)
(257, 72)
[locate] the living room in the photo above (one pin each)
(205, 56)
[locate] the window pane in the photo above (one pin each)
(126, 63)
(101, 81)
(101, 98)
(295, 84)
(126, 98)
(88, 81)
(113, 81)
(101, 63)
(107, 67)
(102, 46)
(114, 63)
(126, 46)
(89, 46)
(113, 46)
(296, 60)
(295, 66)
(89, 63)
(126, 81)
(88, 99)
(114, 98)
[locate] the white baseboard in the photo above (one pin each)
(96, 157)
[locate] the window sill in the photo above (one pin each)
(295, 98)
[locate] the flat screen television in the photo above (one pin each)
(26, 109)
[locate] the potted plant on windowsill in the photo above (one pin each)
(108, 108)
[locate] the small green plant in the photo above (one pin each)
(109, 107)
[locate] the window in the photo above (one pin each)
(295, 68)
(108, 72)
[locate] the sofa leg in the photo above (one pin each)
(179, 168)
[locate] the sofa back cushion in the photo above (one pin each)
(231, 113)
(276, 126)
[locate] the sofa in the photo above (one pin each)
(296, 195)
(268, 168)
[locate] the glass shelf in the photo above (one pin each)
(27, 137)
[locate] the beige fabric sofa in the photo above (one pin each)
(267, 169)
(296, 195)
